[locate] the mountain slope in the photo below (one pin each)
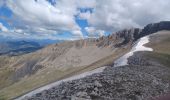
(59, 61)
(146, 76)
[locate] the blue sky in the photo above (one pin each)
(5, 12)
(76, 19)
(8, 17)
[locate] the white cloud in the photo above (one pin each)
(92, 32)
(44, 15)
(3, 28)
(85, 15)
(113, 15)
(19, 31)
(85, 3)
(101, 33)
(16, 35)
(107, 15)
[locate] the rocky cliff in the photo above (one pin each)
(153, 28)
(129, 35)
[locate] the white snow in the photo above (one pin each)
(98, 70)
(122, 61)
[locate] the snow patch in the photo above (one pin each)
(85, 74)
(122, 61)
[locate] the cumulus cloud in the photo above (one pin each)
(113, 15)
(41, 14)
(3, 28)
(85, 15)
(92, 32)
(59, 16)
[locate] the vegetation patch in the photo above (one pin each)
(2, 97)
(161, 58)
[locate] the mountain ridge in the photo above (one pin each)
(145, 77)
(69, 58)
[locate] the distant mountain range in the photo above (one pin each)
(18, 47)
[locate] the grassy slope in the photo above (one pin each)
(162, 58)
(44, 78)
(5, 70)
(160, 42)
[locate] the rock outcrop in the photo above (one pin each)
(153, 28)
(129, 35)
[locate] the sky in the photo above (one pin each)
(76, 19)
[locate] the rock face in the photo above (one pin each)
(136, 33)
(155, 27)
(128, 35)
